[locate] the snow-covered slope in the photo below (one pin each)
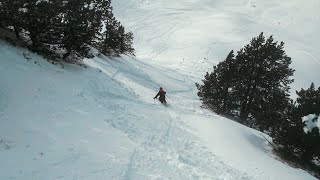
(101, 122)
(193, 35)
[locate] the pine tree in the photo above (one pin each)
(41, 21)
(262, 82)
(308, 100)
(253, 86)
(309, 103)
(216, 91)
(10, 14)
(80, 25)
(109, 44)
(126, 41)
(114, 41)
(290, 133)
(272, 109)
(72, 25)
(102, 9)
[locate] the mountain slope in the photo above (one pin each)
(102, 123)
(193, 35)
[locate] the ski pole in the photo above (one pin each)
(170, 98)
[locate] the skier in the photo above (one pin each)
(162, 95)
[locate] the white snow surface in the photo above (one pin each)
(311, 121)
(101, 122)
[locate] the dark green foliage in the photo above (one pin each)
(71, 26)
(290, 130)
(303, 145)
(125, 42)
(102, 10)
(253, 86)
(216, 91)
(40, 20)
(309, 100)
(11, 14)
(78, 31)
(109, 41)
(114, 40)
(263, 77)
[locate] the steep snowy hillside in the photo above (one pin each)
(101, 122)
(193, 35)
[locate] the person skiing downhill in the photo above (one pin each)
(162, 95)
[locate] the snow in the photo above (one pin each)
(101, 122)
(192, 35)
(311, 121)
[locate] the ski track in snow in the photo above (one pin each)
(168, 147)
(163, 29)
(162, 145)
(102, 123)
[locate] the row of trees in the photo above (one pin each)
(253, 87)
(73, 26)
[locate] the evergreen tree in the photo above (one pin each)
(109, 44)
(289, 129)
(114, 40)
(272, 109)
(253, 86)
(80, 25)
(102, 10)
(308, 101)
(41, 22)
(216, 91)
(262, 83)
(72, 25)
(291, 135)
(126, 41)
(10, 14)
